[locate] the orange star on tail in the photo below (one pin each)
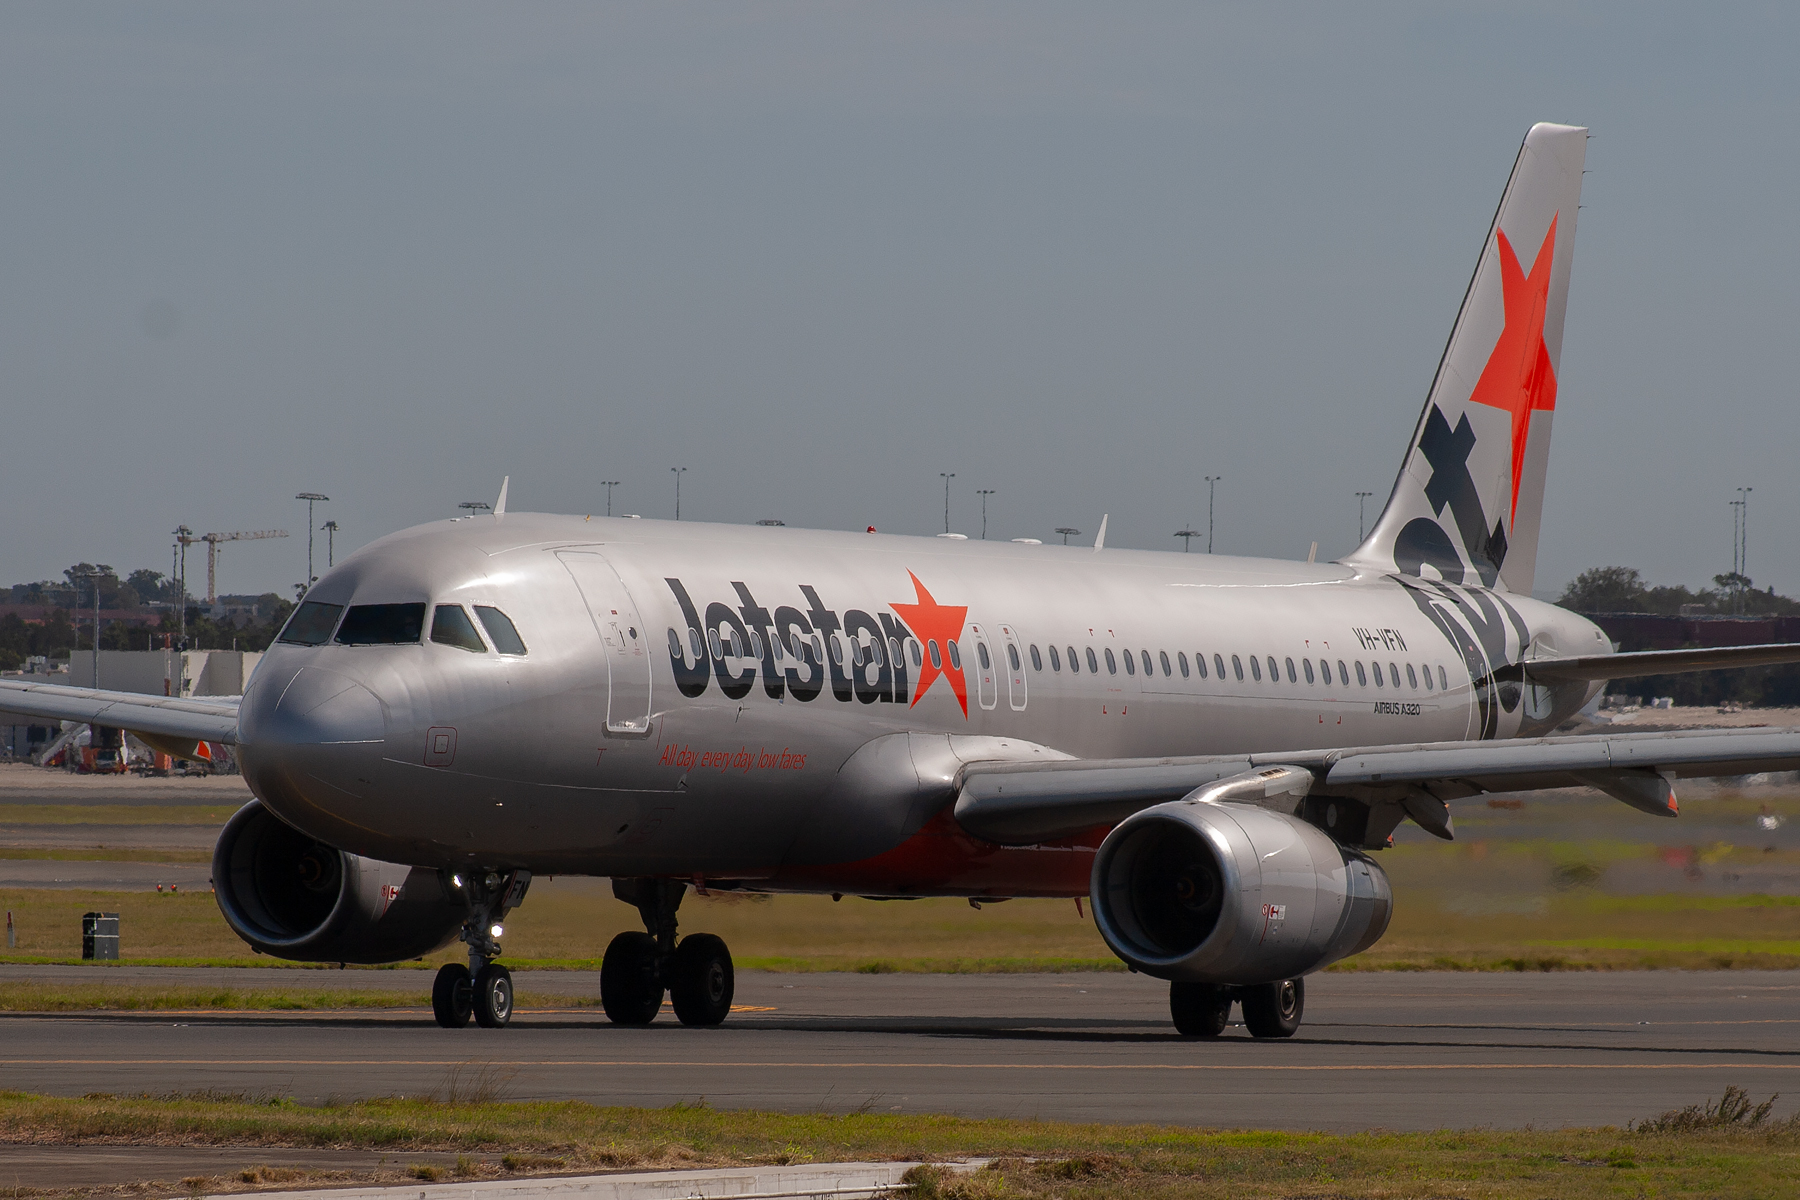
(940, 623)
(1518, 377)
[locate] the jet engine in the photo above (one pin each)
(1229, 893)
(293, 896)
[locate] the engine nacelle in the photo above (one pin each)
(293, 896)
(1230, 893)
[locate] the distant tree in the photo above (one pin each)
(151, 586)
(1605, 589)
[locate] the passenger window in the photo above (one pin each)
(1274, 675)
(1144, 657)
(1093, 665)
(674, 645)
(1412, 677)
(500, 631)
(1236, 665)
(1056, 660)
(755, 644)
(311, 624)
(382, 625)
(835, 642)
(1181, 658)
(1037, 660)
(818, 649)
(695, 643)
(1163, 656)
(1443, 680)
(450, 626)
(775, 645)
(1130, 663)
(1012, 656)
(1375, 669)
(1362, 677)
(1307, 663)
(937, 661)
(1325, 670)
(1293, 678)
(955, 651)
(982, 654)
(1112, 665)
(1394, 673)
(737, 647)
(1255, 668)
(875, 651)
(712, 640)
(1343, 674)
(912, 645)
(894, 652)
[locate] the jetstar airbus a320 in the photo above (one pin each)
(1213, 750)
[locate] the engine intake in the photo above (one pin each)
(293, 896)
(1230, 893)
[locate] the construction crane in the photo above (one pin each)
(186, 537)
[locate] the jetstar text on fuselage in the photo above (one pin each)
(797, 649)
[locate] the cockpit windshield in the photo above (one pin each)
(311, 624)
(382, 625)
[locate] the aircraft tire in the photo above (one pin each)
(1273, 1010)
(701, 980)
(452, 997)
(493, 996)
(1199, 1009)
(631, 989)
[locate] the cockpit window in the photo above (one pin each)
(382, 625)
(450, 626)
(311, 624)
(500, 628)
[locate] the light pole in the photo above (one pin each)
(1744, 534)
(984, 493)
(1361, 525)
(1185, 535)
(183, 535)
(609, 485)
(1212, 483)
(93, 577)
(679, 472)
(311, 498)
(1067, 531)
(330, 528)
(948, 476)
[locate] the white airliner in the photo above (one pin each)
(1207, 747)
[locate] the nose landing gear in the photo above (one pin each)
(484, 988)
(696, 971)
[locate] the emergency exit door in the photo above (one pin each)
(624, 643)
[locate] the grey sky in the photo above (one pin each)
(1081, 254)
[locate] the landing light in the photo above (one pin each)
(496, 930)
(456, 881)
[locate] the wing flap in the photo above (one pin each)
(206, 720)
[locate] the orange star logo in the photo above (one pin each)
(1518, 376)
(939, 624)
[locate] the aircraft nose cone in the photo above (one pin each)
(308, 742)
(322, 707)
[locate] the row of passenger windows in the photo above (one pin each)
(400, 625)
(859, 653)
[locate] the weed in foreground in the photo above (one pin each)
(1732, 1110)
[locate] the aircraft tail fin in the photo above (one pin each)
(1469, 498)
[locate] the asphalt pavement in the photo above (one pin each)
(1391, 1050)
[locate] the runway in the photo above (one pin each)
(1394, 1050)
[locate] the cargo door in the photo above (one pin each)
(622, 640)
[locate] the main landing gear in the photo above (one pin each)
(1271, 1010)
(638, 967)
(484, 988)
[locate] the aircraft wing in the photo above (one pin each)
(1656, 662)
(1019, 804)
(208, 719)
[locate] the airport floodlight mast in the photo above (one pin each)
(984, 493)
(311, 499)
(1362, 529)
(94, 577)
(183, 538)
(948, 476)
(1186, 535)
(1743, 555)
(330, 528)
(1068, 531)
(679, 472)
(1212, 483)
(609, 485)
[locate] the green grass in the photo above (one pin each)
(105, 854)
(1722, 1149)
(117, 814)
